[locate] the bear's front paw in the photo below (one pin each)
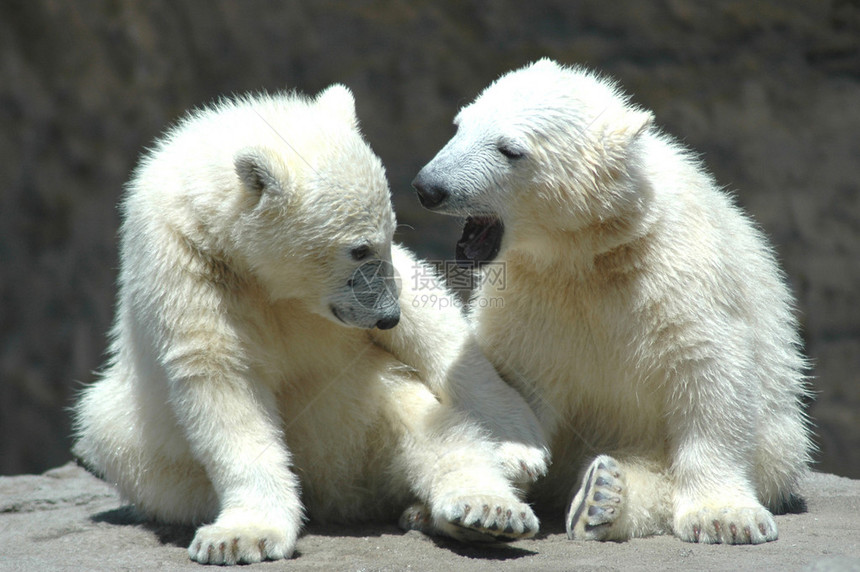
(243, 540)
(522, 464)
(485, 519)
(726, 525)
(598, 503)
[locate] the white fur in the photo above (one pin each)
(643, 315)
(246, 388)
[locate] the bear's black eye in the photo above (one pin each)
(511, 151)
(360, 252)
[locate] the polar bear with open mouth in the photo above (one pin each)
(643, 315)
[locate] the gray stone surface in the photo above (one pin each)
(67, 519)
(766, 91)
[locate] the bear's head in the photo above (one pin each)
(545, 149)
(316, 221)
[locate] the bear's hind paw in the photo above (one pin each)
(598, 503)
(416, 517)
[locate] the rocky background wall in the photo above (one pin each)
(768, 92)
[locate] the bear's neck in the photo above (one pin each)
(615, 242)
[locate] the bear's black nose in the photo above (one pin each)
(431, 195)
(388, 322)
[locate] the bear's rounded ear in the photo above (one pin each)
(338, 100)
(639, 120)
(621, 133)
(257, 171)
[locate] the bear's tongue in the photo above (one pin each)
(482, 237)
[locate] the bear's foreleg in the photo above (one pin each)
(232, 428)
(455, 472)
(712, 439)
(435, 338)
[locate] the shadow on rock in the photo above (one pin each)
(484, 551)
(488, 551)
(173, 534)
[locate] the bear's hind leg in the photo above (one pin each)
(127, 437)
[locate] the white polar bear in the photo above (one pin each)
(642, 313)
(255, 258)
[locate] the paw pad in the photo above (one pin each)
(597, 504)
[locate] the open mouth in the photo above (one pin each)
(481, 240)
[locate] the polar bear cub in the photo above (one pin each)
(643, 315)
(266, 367)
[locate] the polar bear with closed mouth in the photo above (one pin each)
(263, 367)
(643, 315)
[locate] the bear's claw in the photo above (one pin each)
(727, 525)
(499, 520)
